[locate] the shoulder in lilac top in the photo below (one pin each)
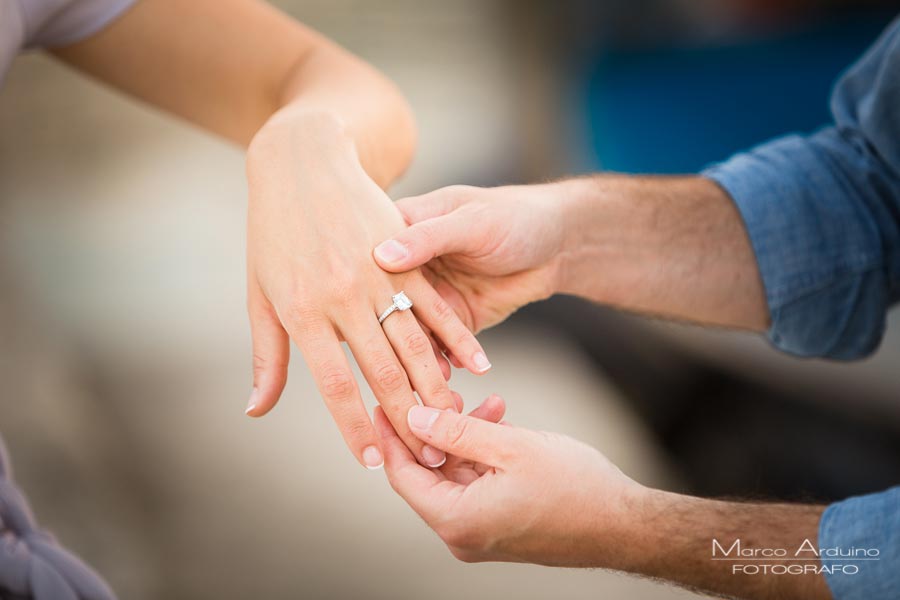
(48, 23)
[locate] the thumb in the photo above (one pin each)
(271, 352)
(467, 437)
(419, 243)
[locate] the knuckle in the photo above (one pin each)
(356, 429)
(302, 316)
(299, 310)
(457, 432)
(337, 384)
(344, 285)
(442, 311)
(344, 297)
(389, 377)
(463, 337)
(439, 390)
(264, 364)
(421, 233)
(417, 343)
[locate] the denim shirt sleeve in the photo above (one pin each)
(866, 528)
(823, 214)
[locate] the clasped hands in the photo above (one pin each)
(490, 490)
(506, 493)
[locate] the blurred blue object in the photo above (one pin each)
(677, 109)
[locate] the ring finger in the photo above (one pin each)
(390, 384)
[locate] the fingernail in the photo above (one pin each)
(391, 251)
(422, 417)
(254, 398)
(372, 457)
(481, 361)
(433, 457)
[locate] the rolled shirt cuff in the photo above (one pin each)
(859, 542)
(817, 249)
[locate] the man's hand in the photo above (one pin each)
(522, 496)
(666, 246)
(487, 251)
(525, 496)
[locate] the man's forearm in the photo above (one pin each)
(669, 246)
(741, 550)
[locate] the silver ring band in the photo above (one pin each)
(399, 301)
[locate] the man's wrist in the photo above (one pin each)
(642, 523)
(592, 221)
(668, 246)
(623, 528)
(572, 200)
(674, 537)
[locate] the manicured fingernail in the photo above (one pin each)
(391, 251)
(433, 457)
(254, 399)
(481, 361)
(422, 418)
(372, 457)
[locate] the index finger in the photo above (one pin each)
(468, 437)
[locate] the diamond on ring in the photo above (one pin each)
(400, 301)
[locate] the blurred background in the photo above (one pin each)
(124, 346)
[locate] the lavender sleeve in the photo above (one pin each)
(33, 566)
(50, 23)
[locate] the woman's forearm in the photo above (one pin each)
(669, 246)
(230, 65)
(331, 84)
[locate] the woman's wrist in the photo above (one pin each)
(312, 147)
(294, 130)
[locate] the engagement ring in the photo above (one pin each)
(400, 302)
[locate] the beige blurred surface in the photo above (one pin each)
(124, 347)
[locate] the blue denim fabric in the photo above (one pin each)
(865, 522)
(823, 214)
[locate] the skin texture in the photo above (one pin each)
(483, 262)
(665, 246)
(673, 247)
(325, 134)
(528, 496)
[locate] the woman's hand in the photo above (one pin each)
(487, 251)
(314, 216)
(522, 496)
(324, 125)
